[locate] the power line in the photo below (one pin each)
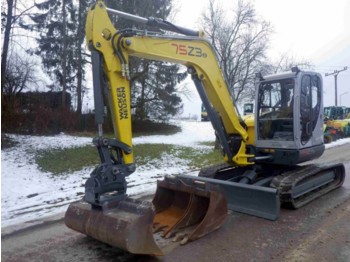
(335, 73)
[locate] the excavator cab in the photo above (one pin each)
(289, 116)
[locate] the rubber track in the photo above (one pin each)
(288, 180)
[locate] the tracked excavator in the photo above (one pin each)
(264, 154)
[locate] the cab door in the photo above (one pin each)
(310, 106)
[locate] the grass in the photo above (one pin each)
(60, 161)
(207, 158)
(208, 143)
(145, 153)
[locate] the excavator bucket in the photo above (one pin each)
(126, 224)
(187, 212)
(180, 212)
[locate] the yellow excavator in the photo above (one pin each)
(262, 153)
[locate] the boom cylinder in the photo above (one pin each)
(156, 22)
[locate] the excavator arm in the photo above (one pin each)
(195, 53)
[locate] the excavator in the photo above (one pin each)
(264, 154)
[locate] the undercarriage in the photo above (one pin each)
(295, 185)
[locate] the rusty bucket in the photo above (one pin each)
(180, 212)
(127, 224)
(187, 212)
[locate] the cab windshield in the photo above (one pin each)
(276, 110)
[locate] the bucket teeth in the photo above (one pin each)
(179, 237)
(184, 240)
(188, 208)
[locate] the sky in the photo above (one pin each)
(313, 30)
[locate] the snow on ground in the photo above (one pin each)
(338, 143)
(192, 133)
(29, 194)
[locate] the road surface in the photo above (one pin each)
(319, 231)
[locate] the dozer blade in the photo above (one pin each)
(126, 224)
(253, 200)
(188, 211)
(182, 211)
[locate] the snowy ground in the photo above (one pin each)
(29, 194)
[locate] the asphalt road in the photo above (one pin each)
(318, 232)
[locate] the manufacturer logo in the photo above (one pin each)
(122, 106)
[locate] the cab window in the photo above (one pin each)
(276, 100)
(310, 104)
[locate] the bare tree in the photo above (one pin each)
(240, 43)
(11, 16)
(20, 75)
(287, 61)
(7, 33)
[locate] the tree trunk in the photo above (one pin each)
(79, 83)
(142, 102)
(7, 33)
(79, 64)
(64, 54)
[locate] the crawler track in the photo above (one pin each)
(306, 183)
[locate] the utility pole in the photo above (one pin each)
(335, 73)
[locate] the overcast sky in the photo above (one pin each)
(315, 30)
